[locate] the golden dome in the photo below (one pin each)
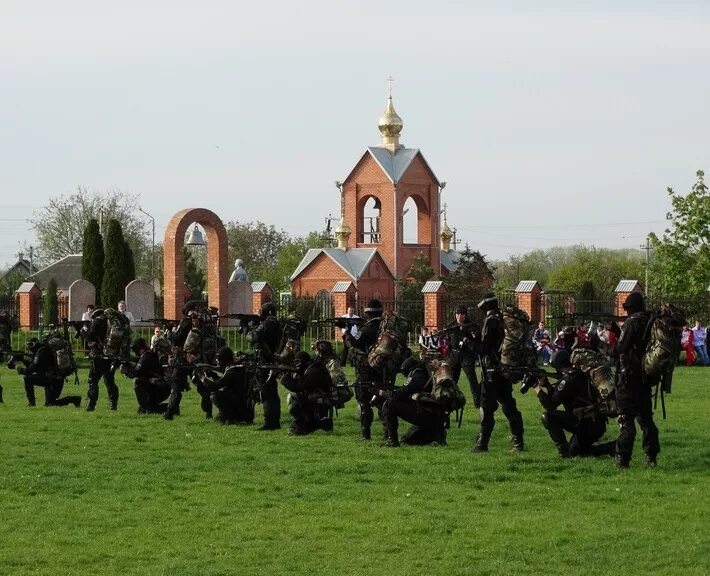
(446, 232)
(390, 123)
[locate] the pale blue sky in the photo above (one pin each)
(539, 116)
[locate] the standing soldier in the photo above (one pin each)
(265, 341)
(495, 388)
(368, 380)
(633, 394)
(105, 338)
(464, 342)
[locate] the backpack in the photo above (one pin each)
(389, 351)
(664, 331)
(117, 342)
(203, 342)
(444, 389)
(598, 367)
(340, 392)
(518, 349)
(64, 359)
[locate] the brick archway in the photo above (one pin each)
(174, 264)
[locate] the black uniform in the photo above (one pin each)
(427, 417)
(495, 387)
(633, 394)
(581, 416)
(309, 402)
(178, 371)
(42, 372)
(464, 346)
(100, 367)
(265, 340)
(368, 380)
(230, 394)
(150, 387)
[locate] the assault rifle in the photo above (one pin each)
(78, 325)
(528, 375)
(572, 317)
(450, 329)
(342, 322)
(164, 323)
(247, 322)
(17, 356)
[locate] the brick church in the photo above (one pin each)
(387, 182)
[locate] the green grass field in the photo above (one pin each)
(118, 493)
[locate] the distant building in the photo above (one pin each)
(22, 266)
(64, 271)
(387, 182)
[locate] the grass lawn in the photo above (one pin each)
(118, 493)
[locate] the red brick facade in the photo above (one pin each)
(174, 264)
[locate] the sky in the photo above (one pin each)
(552, 123)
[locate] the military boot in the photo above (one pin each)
(622, 461)
(517, 444)
(563, 449)
(365, 432)
(481, 444)
(650, 461)
(90, 406)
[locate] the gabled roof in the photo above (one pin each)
(626, 285)
(526, 286)
(449, 260)
(25, 287)
(64, 271)
(22, 265)
(342, 286)
(257, 287)
(395, 165)
(353, 261)
(432, 286)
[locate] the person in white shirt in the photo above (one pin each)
(354, 331)
(700, 336)
(126, 313)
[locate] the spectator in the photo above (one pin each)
(582, 338)
(354, 332)
(126, 313)
(541, 339)
(686, 344)
(700, 335)
(86, 316)
(559, 342)
(427, 342)
(157, 335)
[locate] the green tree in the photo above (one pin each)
(194, 275)
(409, 290)
(92, 256)
(472, 278)
(50, 313)
(10, 281)
(681, 263)
(113, 284)
(61, 223)
(129, 269)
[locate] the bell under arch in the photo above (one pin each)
(174, 264)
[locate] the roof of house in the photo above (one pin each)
(22, 265)
(431, 286)
(342, 286)
(353, 261)
(626, 285)
(257, 287)
(450, 259)
(64, 272)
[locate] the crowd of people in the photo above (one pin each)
(578, 398)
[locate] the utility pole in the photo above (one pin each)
(152, 245)
(647, 248)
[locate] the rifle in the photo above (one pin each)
(528, 375)
(15, 356)
(573, 316)
(450, 329)
(78, 326)
(162, 322)
(342, 322)
(247, 322)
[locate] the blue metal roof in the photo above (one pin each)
(353, 260)
(449, 260)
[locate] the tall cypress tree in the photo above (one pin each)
(51, 303)
(130, 264)
(92, 257)
(114, 280)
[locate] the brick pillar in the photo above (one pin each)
(260, 295)
(344, 295)
(528, 297)
(28, 296)
(622, 291)
(434, 305)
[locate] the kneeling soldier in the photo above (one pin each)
(309, 402)
(151, 389)
(414, 404)
(42, 372)
(581, 415)
(230, 392)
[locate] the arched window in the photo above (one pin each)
(370, 221)
(410, 213)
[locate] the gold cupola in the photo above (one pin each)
(342, 233)
(446, 235)
(390, 126)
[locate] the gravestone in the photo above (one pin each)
(239, 299)
(140, 301)
(81, 294)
